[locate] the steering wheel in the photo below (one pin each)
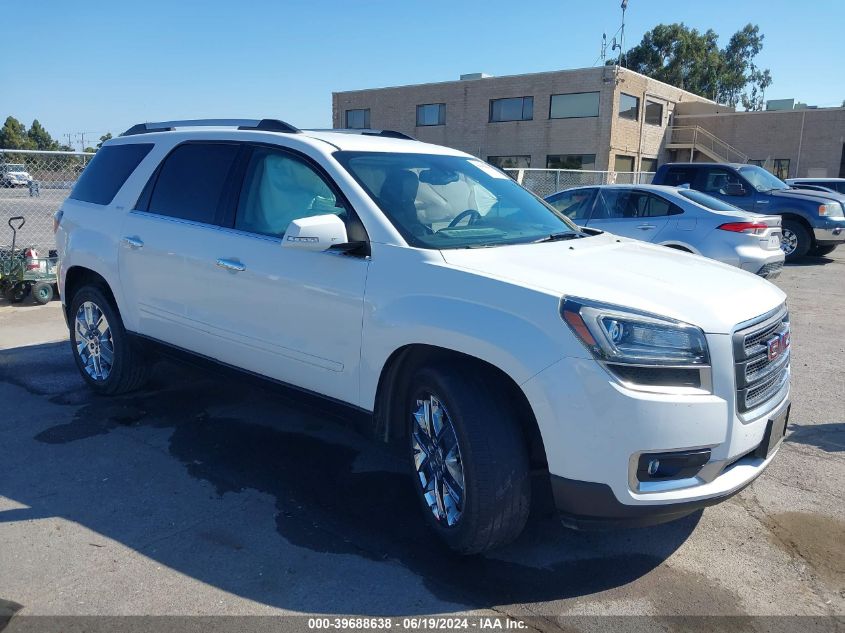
(472, 213)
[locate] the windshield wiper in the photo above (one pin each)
(558, 237)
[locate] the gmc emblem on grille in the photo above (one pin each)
(777, 345)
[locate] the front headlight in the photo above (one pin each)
(641, 349)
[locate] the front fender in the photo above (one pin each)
(517, 329)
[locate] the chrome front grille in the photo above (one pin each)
(761, 358)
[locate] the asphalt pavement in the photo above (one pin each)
(208, 495)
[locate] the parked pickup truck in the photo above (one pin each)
(813, 221)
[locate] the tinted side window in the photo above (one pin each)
(575, 204)
(107, 172)
(658, 207)
(279, 188)
(191, 181)
(717, 179)
(676, 176)
(614, 204)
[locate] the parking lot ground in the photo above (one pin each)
(205, 494)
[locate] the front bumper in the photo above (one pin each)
(595, 430)
(832, 232)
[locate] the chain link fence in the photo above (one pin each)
(544, 182)
(33, 185)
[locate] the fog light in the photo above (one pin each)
(674, 465)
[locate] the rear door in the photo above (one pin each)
(170, 239)
(630, 212)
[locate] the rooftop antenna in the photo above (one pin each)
(603, 48)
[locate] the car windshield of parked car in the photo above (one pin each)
(762, 180)
(11, 168)
(446, 202)
(714, 204)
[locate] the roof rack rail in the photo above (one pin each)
(268, 125)
(368, 132)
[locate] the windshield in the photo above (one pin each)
(445, 202)
(704, 200)
(13, 167)
(760, 179)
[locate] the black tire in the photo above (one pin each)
(129, 369)
(42, 292)
(16, 293)
(497, 489)
(821, 251)
(803, 237)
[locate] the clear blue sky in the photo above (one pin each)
(103, 65)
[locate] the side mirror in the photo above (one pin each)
(734, 189)
(315, 233)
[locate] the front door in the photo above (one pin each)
(725, 184)
(289, 314)
(630, 212)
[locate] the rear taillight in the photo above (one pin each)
(754, 228)
(57, 218)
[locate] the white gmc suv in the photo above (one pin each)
(511, 354)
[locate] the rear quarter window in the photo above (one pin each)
(107, 171)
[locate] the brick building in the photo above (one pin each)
(603, 118)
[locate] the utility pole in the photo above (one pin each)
(69, 142)
(81, 141)
(622, 35)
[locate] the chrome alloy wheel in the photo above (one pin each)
(94, 341)
(788, 242)
(437, 459)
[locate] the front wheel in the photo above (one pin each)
(106, 358)
(795, 240)
(470, 464)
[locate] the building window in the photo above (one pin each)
(653, 113)
(624, 163)
(776, 166)
(520, 161)
(516, 109)
(571, 161)
(431, 114)
(629, 107)
(358, 119)
(574, 106)
(648, 164)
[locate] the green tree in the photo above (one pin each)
(40, 138)
(686, 58)
(13, 135)
(105, 137)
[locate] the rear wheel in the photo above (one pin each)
(795, 240)
(470, 464)
(821, 251)
(106, 358)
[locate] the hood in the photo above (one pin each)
(809, 194)
(700, 291)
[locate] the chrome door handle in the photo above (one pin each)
(231, 264)
(132, 242)
(646, 227)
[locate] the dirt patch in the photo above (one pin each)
(817, 539)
